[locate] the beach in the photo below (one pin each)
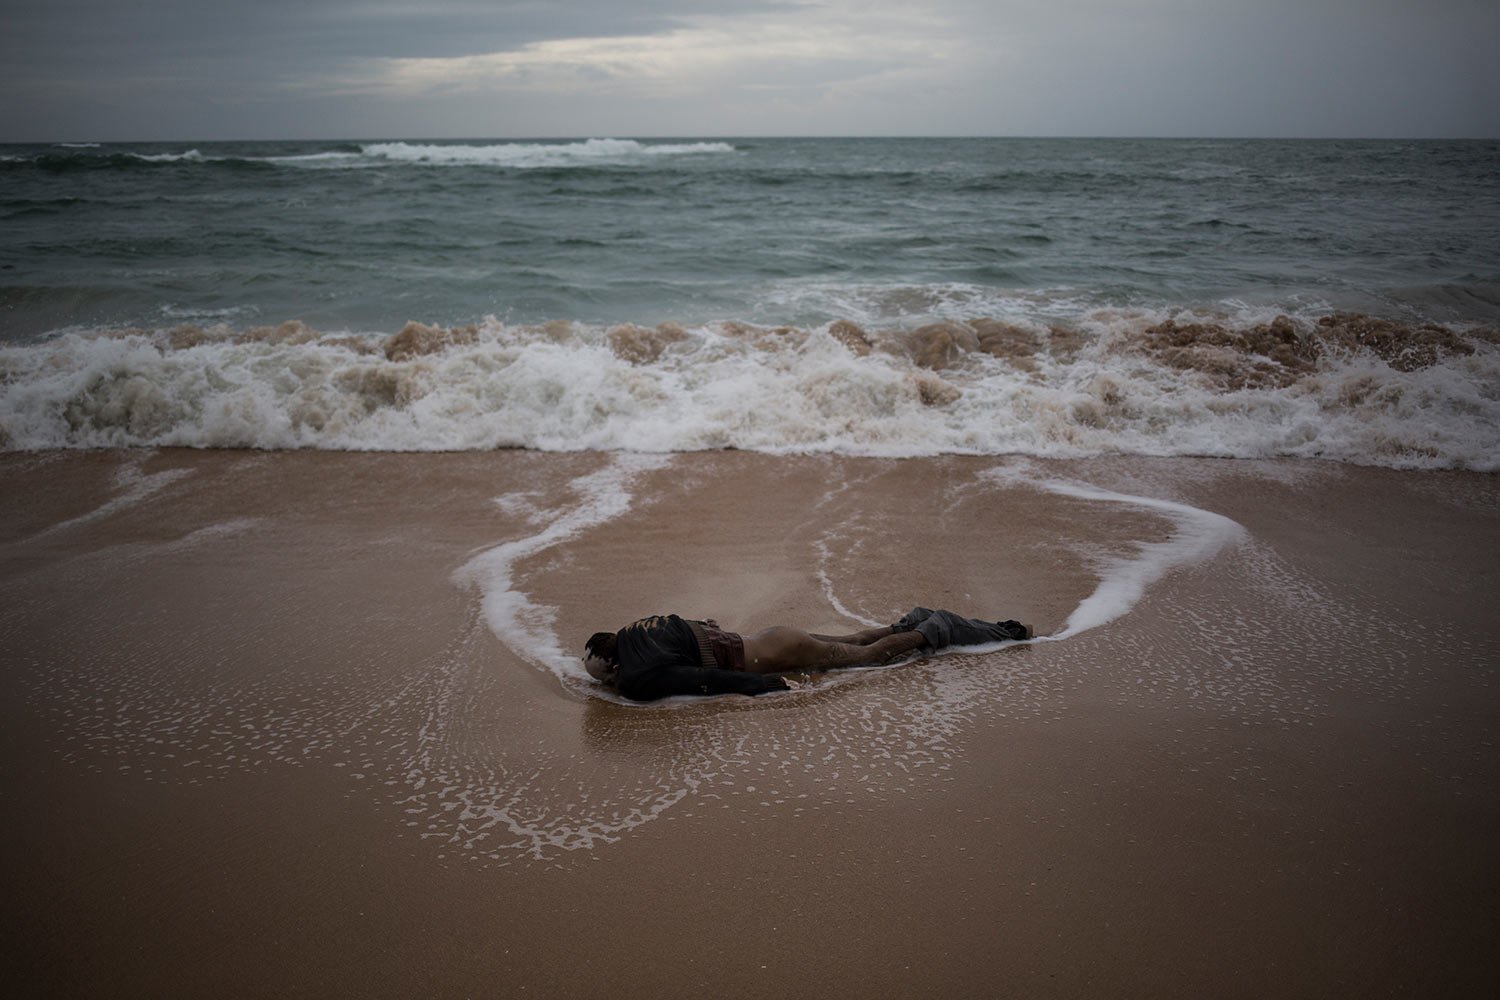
(320, 459)
(312, 722)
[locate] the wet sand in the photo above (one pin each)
(259, 735)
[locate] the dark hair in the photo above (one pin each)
(602, 645)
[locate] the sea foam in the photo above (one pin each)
(527, 154)
(517, 155)
(1111, 385)
(1199, 535)
(516, 620)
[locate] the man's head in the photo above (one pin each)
(599, 657)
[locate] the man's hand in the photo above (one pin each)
(792, 685)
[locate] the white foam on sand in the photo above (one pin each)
(476, 795)
(1199, 535)
(131, 486)
(826, 582)
(524, 626)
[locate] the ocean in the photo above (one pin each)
(880, 297)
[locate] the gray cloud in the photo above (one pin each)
(362, 68)
(198, 68)
(116, 33)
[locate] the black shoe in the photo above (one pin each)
(1015, 630)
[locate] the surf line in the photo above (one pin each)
(1199, 535)
(131, 486)
(523, 626)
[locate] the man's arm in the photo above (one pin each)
(666, 681)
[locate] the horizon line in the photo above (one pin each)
(581, 137)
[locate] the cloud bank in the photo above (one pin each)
(176, 69)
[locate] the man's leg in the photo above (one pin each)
(864, 638)
(908, 621)
(780, 650)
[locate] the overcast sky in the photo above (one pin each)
(221, 69)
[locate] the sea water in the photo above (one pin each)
(1330, 299)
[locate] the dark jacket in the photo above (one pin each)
(658, 658)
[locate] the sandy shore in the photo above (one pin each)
(260, 735)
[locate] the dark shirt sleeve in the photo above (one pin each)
(666, 681)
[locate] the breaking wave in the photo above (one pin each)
(1340, 386)
(520, 154)
(66, 157)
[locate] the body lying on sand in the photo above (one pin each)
(666, 655)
